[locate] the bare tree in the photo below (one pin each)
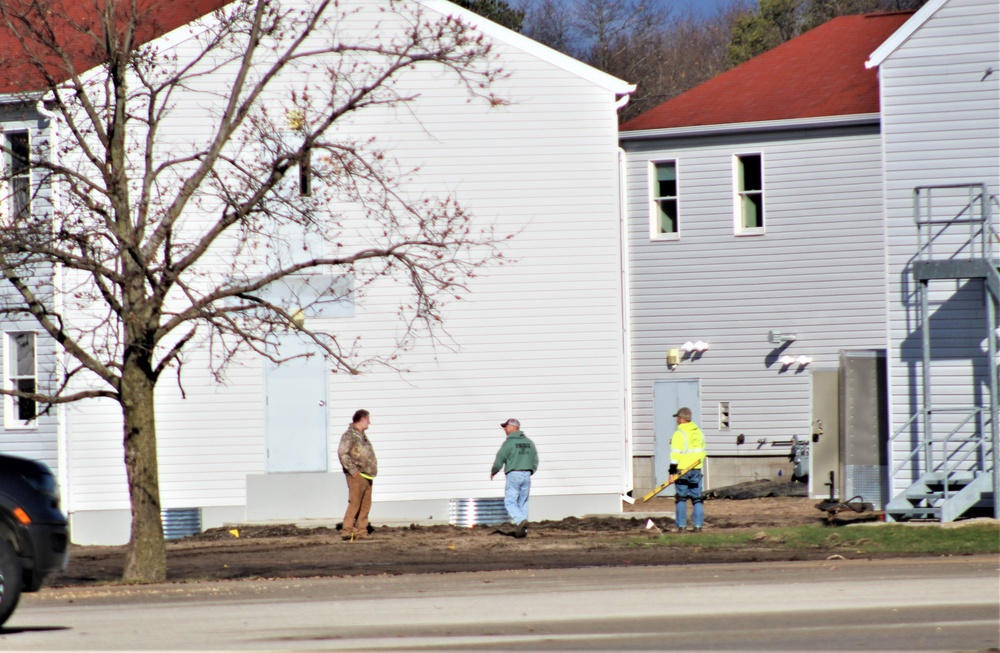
(609, 26)
(663, 52)
(549, 23)
(688, 51)
(221, 233)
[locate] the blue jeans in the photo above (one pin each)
(515, 498)
(689, 487)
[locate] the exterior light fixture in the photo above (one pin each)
(786, 360)
(701, 346)
(777, 337)
(803, 360)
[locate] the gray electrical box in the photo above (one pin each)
(864, 427)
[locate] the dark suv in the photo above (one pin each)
(33, 535)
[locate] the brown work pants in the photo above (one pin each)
(359, 502)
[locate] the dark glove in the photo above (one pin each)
(673, 470)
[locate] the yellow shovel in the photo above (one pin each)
(663, 486)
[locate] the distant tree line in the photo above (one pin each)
(664, 51)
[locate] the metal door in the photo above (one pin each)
(824, 450)
(296, 413)
(668, 396)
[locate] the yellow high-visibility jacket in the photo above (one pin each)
(687, 447)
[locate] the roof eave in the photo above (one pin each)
(749, 127)
(618, 86)
(901, 35)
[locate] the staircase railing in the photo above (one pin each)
(943, 251)
(979, 223)
(948, 464)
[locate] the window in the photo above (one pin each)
(665, 221)
(749, 194)
(19, 368)
(17, 168)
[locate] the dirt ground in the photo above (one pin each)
(286, 551)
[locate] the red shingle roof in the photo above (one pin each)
(69, 20)
(820, 73)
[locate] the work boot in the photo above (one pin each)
(697, 529)
(522, 529)
(679, 529)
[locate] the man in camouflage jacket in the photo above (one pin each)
(357, 457)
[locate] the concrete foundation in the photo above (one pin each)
(720, 471)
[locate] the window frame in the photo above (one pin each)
(655, 199)
(740, 194)
(8, 211)
(11, 405)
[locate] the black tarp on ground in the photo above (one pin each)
(760, 488)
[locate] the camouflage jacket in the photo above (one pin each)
(356, 453)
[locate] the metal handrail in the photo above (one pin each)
(929, 437)
(925, 249)
(946, 462)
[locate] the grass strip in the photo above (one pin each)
(982, 538)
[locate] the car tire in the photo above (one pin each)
(10, 580)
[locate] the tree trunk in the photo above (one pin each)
(146, 559)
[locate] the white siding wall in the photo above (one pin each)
(941, 122)
(817, 272)
(39, 442)
(539, 339)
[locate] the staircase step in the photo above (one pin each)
(955, 478)
(927, 496)
(915, 512)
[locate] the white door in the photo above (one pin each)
(296, 413)
(668, 396)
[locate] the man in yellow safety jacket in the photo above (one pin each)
(687, 452)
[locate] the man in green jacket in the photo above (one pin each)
(519, 458)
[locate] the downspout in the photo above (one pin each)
(62, 441)
(628, 483)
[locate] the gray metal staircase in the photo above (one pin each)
(954, 456)
(942, 498)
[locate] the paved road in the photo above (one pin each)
(932, 604)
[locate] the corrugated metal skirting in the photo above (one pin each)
(180, 522)
(475, 512)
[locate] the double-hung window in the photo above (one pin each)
(19, 374)
(749, 186)
(17, 170)
(664, 217)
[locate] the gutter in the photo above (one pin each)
(751, 127)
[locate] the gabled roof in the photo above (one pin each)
(69, 19)
(158, 17)
(818, 74)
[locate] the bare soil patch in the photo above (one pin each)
(286, 551)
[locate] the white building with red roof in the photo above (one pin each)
(539, 339)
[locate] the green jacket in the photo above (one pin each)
(517, 454)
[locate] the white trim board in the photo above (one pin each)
(901, 35)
